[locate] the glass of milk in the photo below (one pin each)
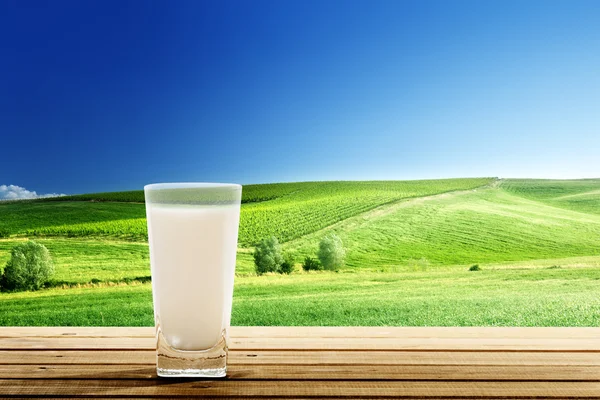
(192, 232)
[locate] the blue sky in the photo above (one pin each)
(112, 95)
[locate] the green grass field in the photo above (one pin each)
(441, 297)
(581, 195)
(484, 226)
(81, 261)
(287, 210)
(409, 247)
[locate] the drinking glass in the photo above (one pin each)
(192, 232)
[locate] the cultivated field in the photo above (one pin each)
(409, 248)
(285, 210)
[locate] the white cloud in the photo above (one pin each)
(13, 192)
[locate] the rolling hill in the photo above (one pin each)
(409, 245)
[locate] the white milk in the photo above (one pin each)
(192, 254)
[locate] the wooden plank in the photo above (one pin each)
(403, 358)
(312, 343)
(418, 344)
(277, 357)
(75, 331)
(80, 371)
(396, 397)
(82, 343)
(312, 362)
(321, 389)
(415, 332)
(42, 357)
(323, 332)
(112, 397)
(322, 372)
(67, 342)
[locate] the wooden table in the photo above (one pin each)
(294, 362)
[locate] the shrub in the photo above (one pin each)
(29, 267)
(267, 256)
(311, 264)
(287, 266)
(475, 268)
(4, 233)
(331, 252)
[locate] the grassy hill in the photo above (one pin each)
(488, 225)
(578, 195)
(287, 210)
(409, 245)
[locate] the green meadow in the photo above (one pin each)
(409, 247)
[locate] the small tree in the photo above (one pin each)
(29, 267)
(287, 266)
(267, 256)
(311, 264)
(331, 252)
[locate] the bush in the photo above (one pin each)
(267, 256)
(311, 264)
(29, 267)
(331, 252)
(287, 266)
(475, 268)
(4, 233)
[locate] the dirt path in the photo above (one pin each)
(366, 217)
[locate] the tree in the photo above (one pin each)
(268, 256)
(331, 252)
(29, 267)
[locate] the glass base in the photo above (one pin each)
(174, 363)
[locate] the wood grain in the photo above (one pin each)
(321, 372)
(323, 332)
(311, 362)
(319, 338)
(314, 343)
(321, 389)
(276, 357)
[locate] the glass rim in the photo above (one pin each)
(192, 185)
